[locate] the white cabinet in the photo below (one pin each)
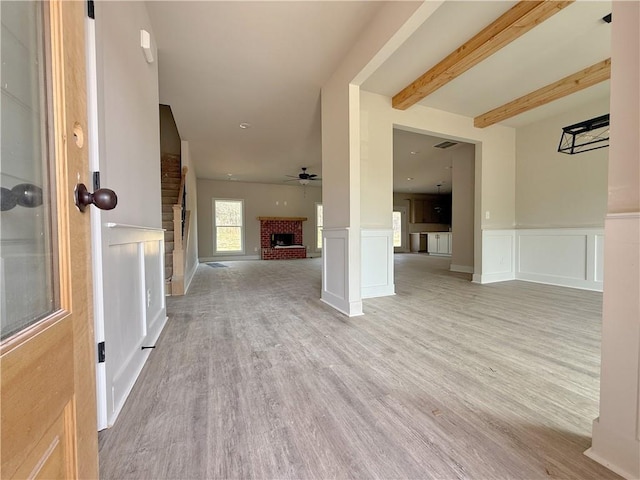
(439, 243)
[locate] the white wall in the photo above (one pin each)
(462, 221)
(260, 200)
(191, 189)
(555, 189)
(376, 165)
(130, 117)
(131, 238)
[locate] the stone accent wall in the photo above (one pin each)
(281, 225)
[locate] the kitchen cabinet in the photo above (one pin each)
(417, 211)
(434, 209)
(439, 243)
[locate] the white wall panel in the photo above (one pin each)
(598, 274)
(377, 263)
(554, 255)
(498, 255)
(570, 257)
(135, 312)
(335, 258)
(334, 248)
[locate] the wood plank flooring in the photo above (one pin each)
(255, 378)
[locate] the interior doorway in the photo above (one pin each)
(434, 181)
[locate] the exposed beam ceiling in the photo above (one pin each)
(521, 18)
(588, 77)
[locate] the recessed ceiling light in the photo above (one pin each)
(414, 153)
(245, 125)
(409, 178)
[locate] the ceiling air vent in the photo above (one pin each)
(445, 145)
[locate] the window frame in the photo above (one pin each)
(215, 227)
(399, 212)
(318, 229)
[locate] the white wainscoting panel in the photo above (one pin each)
(335, 272)
(134, 307)
(498, 256)
(598, 274)
(569, 257)
(377, 263)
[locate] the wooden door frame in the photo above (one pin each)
(71, 325)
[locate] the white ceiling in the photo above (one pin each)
(226, 62)
(419, 167)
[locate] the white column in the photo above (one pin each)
(616, 432)
(376, 196)
(341, 197)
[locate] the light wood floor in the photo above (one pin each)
(255, 378)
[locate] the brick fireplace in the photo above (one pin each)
(271, 226)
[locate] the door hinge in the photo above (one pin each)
(96, 181)
(91, 12)
(101, 353)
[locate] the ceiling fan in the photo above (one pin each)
(303, 177)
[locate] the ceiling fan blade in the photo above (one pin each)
(291, 176)
(311, 175)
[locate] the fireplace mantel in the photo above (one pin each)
(286, 219)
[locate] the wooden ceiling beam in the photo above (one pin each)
(592, 75)
(518, 20)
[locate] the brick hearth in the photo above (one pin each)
(270, 225)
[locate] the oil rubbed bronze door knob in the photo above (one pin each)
(103, 198)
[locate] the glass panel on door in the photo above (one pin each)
(27, 241)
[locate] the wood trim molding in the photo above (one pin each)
(518, 20)
(588, 77)
(289, 219)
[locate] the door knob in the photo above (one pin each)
(102, 198)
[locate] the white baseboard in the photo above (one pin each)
(492, 277)
(560, 281)
(189, 278)
(135, 365)
(620, 454)
(350, 309)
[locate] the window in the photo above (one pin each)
(318, 226)
(228, 226)
(397, 229)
